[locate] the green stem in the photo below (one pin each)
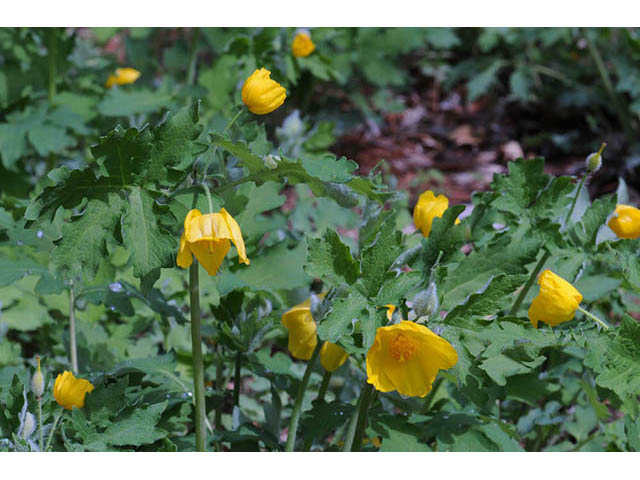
(324, 385)
(193, 57)
(53, 429)
(40, 423)
(233, 120)
(527, 286)
(208, 193)
(297, 407)
(196, 348)
(320, 398)
(608, 85)
(365, 399)
(594, 318)
(219, 385)
(236, 379)
(51, 55)
(72, 331)
(575, 199)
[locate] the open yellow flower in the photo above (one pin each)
(626, 221)
(407, 357)
(557, 301)
(70, 391)
(429, 207)
(122, 77)
(332, 356)
(302, 45)
(261, 94)
(207, 237)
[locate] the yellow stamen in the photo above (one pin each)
(402, 348)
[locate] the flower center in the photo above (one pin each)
(402, 348)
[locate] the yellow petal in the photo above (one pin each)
(556, 302)
(70, 391)
(302, 330)
(236, 235)
(429, 207)
(185, 257)
(626, 222)
(210, 253)
(302, 45)
(261, 94)
(332, 356)
(390, 309)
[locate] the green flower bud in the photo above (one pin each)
(271, 161)
(28, 426)
(426, 303)
(37, 381)
(594, 160)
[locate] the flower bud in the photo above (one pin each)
(122, 77)
(427, 209)
(594, 160)
(28, 426)
(37, 381)
(271, 161)
(426, 303)
(261, 94)
(70, 391)
(332, 356)
(625, 221)
(557, 301)
(302, 45)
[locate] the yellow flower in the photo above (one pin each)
(557, 301)
(70, 391)
(122, 77)
(207, 237)
(302, 45)
(332, 356)
(626, 221)
(261, 94)
(303, 337)
(407, 357)
(429, 207)
(302, 330)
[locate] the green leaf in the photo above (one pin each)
(520, 84)
(594, 218)
(12, 270)
(324, 418)
(343, 314)
(392, 290)
(445, 237)
(377, 257)
(482, 82)
(615, 358)
(126, 154)
(122, 102)
(331, 259)
(496, 296)
(137, 428)
(150, 245)
(84, 241)
(520, 189)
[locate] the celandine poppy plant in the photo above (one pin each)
(208, 238)
(407, 357)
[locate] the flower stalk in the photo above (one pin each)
(72, 331)
(196, 353)
(53, 429)
(353, 440)
(236, 379)
(297, 407)
(594, 318)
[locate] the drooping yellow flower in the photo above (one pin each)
(70, 391)
(407, 357)
(302, 330)
(207, 237)
(261, 94)
(429, 207)
(626, 221)
(332, 356)
(557, 301)
(122, 77)
(302, 45)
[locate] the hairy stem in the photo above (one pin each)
(593, 317)
(297, 407)
(40, 423)
(72, 331)
(196, 349)
(53, 429)
(353, 440)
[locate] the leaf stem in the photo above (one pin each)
(53, 429)
(233, 120)
(324, 385)
(72, 331)
(353, 440)
(593, 317)
(51, 56)
(196, 349)
(297, 407)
